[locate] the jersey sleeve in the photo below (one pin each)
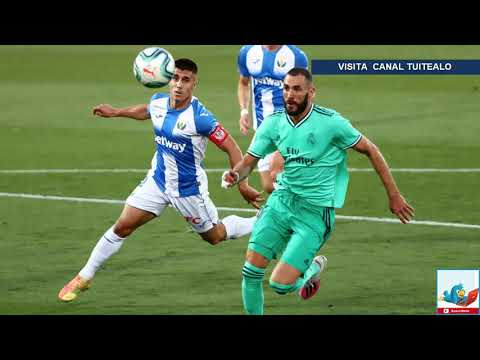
(301, 60)
(242, 62)
(154, 97)
(262, 143)
(205, 122)
(345, 135)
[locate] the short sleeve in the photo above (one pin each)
(205, 122)
(262, 143)
(155, 97)
(242, 62)
(345, 135)
(301, 60)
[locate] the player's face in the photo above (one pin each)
(182, 84)
(297, 94)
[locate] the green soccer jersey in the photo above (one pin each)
(314, 151)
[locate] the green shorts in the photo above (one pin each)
(290, 228)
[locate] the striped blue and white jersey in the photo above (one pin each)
(267, 69)
(181, 138)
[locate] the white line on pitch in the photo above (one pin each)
(86, 171)
(340, 217)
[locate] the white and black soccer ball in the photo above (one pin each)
(154, 67)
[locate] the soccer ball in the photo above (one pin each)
(154, 67)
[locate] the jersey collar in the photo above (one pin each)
(305, 118)
(169, 108)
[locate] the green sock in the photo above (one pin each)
(252, 289)
(283, 289)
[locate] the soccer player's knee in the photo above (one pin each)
(122, 229)
(212, 240)
(281, 289)
(213, 236)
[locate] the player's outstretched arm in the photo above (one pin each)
(251, 195)
(137, 112)
(243, 93)
(398, 205)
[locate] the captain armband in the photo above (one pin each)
(218, 135)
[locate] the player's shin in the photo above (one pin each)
(309, 273)
(108, 245)
(283, 289)
(252, 289)
(237, 226)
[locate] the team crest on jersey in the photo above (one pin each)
(281, 62)
(181, 125)
(311, 139)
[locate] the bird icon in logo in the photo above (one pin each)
(458, 296)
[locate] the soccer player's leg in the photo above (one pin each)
(270, 234)
(142, 205)
(200, 212)
(299, 269)
(309, 282)
(252, 282)
(295, 261)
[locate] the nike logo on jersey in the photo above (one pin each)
(161, 140)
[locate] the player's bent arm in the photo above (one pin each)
(245, 167)
(276, 164)
(398, 205)
(366, 147)
(230, 146)
(137, 112)
(243, 92)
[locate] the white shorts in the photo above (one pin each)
(198, 210)
(264, 164)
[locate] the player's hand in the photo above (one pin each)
(229, 179)
(244, 124)
(400, 207)
(104, 110)
(252, 196)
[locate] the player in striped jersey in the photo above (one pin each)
(182, 127)
(262, 68)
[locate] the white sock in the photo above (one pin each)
(237, 226)
(108, 245)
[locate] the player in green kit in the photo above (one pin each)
(299, 215)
